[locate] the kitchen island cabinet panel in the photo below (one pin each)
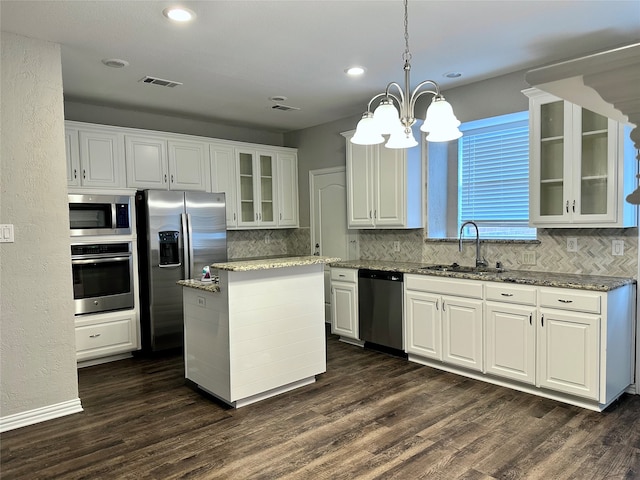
(260, 335)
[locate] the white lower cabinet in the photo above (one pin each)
(443, 326)
(568, 354)
(344, 303)
(106, 334)
(571, 345)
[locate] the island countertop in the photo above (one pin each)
(269, 263)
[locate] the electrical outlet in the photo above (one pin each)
(617, 247)
(529, 258)
(396, 246)
(572, 244)
(267, 238)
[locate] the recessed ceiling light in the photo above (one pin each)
(115, 62)
(179, 14)
(354, 71)
(453, 74)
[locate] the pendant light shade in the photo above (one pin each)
(401, 138)
(367, 131)
(386, 117)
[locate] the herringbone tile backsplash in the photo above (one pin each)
(594, 255)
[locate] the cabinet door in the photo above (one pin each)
(550, 160)
(267, 181)
(423, 324)
(287, 189)
(223, 179)
(510, 341)
(187, 165)
(146, 160)
(390, 188)
(73, 157)
(360, 160)
(247, 190)
(568, 355)
(594, 174)
(101, 158)
(344, 313)
(462, 332)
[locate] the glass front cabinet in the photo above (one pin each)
(256, 188)
(582, 166)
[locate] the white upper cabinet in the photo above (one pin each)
(223, 179)
(255, 172)
(384, 186)
(158, 163)
(581, 166)
(287, 187)
(95, 157)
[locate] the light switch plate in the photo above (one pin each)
(572, 244)
(6, 233)
(617, 247)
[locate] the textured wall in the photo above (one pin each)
(37, 344)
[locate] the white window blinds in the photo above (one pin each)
(493, 176)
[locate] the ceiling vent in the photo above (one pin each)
(160, 81)
(284, 108)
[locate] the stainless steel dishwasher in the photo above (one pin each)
(380, 308)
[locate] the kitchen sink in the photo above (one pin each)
(454, 267)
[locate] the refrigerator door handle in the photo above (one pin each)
(190, 264)
(186, 245)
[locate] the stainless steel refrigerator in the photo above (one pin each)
(178, 234)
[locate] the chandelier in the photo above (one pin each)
(440, 123)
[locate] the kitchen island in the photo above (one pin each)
(259, 331)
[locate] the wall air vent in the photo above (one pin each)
(160, 81)
(284, 108)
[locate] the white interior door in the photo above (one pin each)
(329, 234)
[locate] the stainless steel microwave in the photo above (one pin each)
(99, 215)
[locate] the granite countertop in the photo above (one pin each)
(211, 287)
(269, 263)
(598, 283)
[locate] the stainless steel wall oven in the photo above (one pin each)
(102, 277)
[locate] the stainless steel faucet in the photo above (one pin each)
(480, 262)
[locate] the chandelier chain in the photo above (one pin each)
(406, 56)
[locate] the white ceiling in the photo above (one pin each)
(237, 54)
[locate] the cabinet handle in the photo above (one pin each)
(172, 178)
(437, 301)
(531, 319)
(256, 216)
(443, 306)
(94, 335)
(260, 215)
(507, 294)
(165, 178)
(75, 173)
(574, 206)
(370, 214)
(84, 173)
(234, 217)
(567, 206)
(281, 216)
(375, 214)
(565, 301)
(542, 320)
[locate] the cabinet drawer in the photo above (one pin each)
(102, 335)
(443, 286)
(499, 292)
(344, 274)
(570, 300)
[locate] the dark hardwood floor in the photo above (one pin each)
(370, 416)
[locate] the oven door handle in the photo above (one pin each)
(170, 265)
(86, 261)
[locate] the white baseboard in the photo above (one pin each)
(37, 415)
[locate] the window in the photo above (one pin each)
(493, 177)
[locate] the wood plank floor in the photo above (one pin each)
(370, 416)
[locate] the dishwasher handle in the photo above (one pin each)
(381, 275)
